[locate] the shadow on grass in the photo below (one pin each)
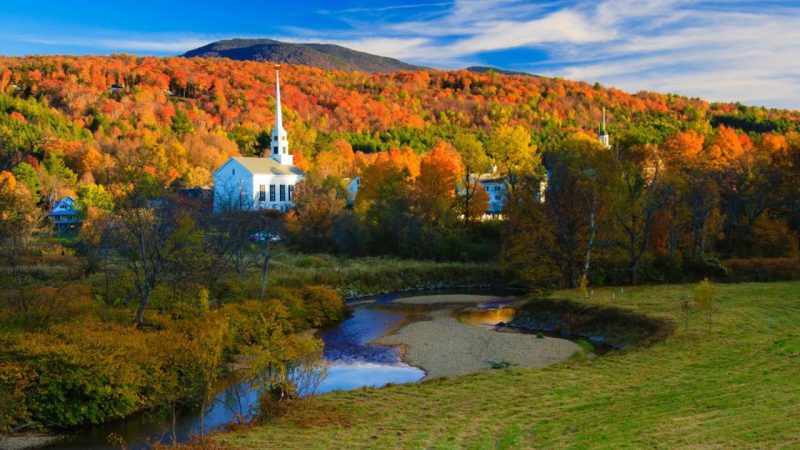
(609, 326)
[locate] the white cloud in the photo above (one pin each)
(725, 50)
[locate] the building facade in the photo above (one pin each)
(64, 214)
(259, 183)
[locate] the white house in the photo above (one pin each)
(64, 214)
(257, 183)
(497, 189)
(352, 190)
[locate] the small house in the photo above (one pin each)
(64, 214)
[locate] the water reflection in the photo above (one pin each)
(487, 316)
(354, 376)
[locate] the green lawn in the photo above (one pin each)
(736, 386)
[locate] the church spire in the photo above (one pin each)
(278, 113)
(603, 133)
(280, 139)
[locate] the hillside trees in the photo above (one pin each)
(561, 233)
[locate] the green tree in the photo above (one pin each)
(94, 196)
(55, 166)
(181, 124)
(26, 174)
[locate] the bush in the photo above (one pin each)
(763, 269)
(86, 372)
(703, 267)
(323, 305)
(37, 308)
(14, 380)
(663, 269)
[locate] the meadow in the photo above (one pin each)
(732, 383)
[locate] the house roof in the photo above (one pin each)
(265, 165)
(64, 207)
(491, 178)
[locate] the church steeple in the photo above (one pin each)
(603, 133)
(280, 139)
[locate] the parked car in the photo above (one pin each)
(262, 236)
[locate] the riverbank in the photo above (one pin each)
(26, 441)
(443, 346)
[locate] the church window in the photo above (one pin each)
(283, 192)
(262, 192)
(272, 192)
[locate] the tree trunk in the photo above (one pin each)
(592, 232)
(265, 269)
(203, 422)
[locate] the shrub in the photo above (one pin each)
(14, 380)
(86, 372)
(663, 269)
(704, 298)
(323, 305)
(41, 307)
(704, 267)
(763, 269)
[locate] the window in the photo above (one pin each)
(233, 171)
(283, 192)
(291, 191)
(274, 149)
(262, 192)
(272, 192)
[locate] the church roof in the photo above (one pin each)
(266, 165)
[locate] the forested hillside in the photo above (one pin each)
(693, 174)
(179, 118)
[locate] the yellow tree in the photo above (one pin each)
(513, 153)
(473, 197)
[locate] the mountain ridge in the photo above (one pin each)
(323, 56)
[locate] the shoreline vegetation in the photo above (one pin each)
(35, 345)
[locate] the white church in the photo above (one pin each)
(259, 183)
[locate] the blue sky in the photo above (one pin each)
(726, 50)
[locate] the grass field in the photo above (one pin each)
(735, 386)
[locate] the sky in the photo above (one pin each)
(719, 50)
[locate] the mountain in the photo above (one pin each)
(324, 56)
(487, 69)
